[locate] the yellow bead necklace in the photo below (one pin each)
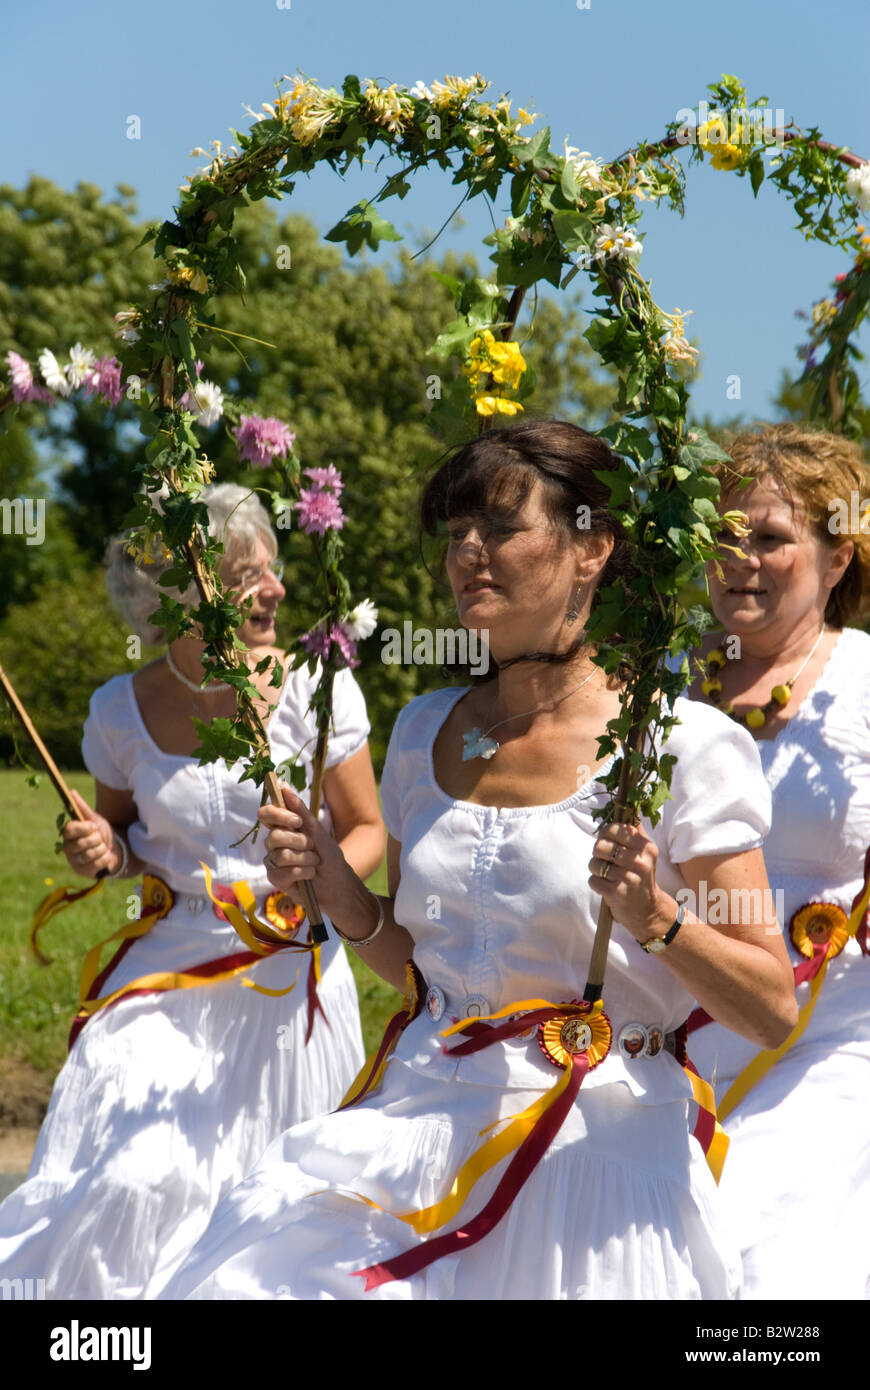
(753, 718)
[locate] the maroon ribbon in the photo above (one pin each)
(520, 1168)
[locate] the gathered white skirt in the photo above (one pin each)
(165, 1103)
(622, 1205)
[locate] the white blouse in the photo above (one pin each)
(498, 900)
(190, 813)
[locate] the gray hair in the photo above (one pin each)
(236, 517)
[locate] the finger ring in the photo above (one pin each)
(270, 859)
(605, 868)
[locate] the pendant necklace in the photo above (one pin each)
(477, 742)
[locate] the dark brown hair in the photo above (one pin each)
(499, 469)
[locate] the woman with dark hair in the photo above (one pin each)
(468, 1174)
(790, 669)
(176, 1085)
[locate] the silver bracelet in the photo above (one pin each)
(365, 940)
(125, 858)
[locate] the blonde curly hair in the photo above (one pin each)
(813, 468)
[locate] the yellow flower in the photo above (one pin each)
(727, 157)
(524, 118)
(495, 405)
(509, 364)
(48, 882)
(712, 133)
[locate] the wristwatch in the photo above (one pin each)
(657, 944)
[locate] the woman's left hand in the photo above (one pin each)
(624, 873)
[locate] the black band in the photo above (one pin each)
(672, 931)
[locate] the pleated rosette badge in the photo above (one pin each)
(566, 1036)
(819, 924)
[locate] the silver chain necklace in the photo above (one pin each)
(477, 742)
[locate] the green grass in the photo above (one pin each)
(37, 1002)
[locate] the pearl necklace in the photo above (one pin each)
(213, 689)
(479, 745)
(757, 717)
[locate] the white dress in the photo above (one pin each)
(167, 1100)
(622, 1205)
(798, 1170)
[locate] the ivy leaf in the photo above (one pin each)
(363, 224)
(521, 186)
(219, 739)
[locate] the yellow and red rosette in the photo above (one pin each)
(817, 925)
(285, 915)
(526, 1136)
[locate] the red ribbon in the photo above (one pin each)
(520, 1168)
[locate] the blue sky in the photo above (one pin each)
(603, 76)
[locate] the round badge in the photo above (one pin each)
(562, 1038)
(633, 1040)
(819, 924)
(195, 905)
(283, 914)
(476, 1006)
(656, 1041)
(435, 1003)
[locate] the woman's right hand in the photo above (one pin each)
(299, 847)
(90, 844)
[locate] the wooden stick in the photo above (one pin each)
(622, 813)
(51, 766)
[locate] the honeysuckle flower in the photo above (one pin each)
(858, 186)
(326, 477)
(824, 312)
(21, 381)
(495, 405)
(386, 106)
(126, 332)
(53, 374)
(675, 344)
(104, 378)
(420, 91)
(361, 621)
(81, 360)
(587, 171)
(261, 439)
(454, 90)
(319, 511)
(206, 401)
(615, 242)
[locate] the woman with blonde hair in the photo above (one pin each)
(791, 670)
(170, 1094)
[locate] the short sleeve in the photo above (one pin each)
(391, 801)
(721, 802)
(101, 742)
(350, 724)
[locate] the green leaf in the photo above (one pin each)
(363, 224)
(521, 185)
(756, 172)
(219, 740)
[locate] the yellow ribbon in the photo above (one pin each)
(244, 921)
(762, 1063)
(702, 1093)
(55, 902)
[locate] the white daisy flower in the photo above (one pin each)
(206, 401)
(81, 360)
(858, 186)
(53, 374)
(361, 621)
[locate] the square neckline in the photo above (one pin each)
(507, 812)
(189, 757)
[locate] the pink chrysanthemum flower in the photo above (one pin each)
(316, 642)
(261, 440)
(319, 512)
(326, 477)
(21, 381)
(104, 378)
(346, 646)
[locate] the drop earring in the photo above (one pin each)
(574, 611)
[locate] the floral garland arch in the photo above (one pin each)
(569, 213)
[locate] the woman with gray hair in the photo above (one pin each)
(172, 1090)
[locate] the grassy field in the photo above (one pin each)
(37, 1002)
